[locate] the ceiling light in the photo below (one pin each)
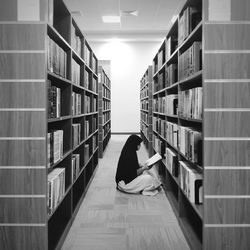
(111, 19)
(77, 13)
(129, 12)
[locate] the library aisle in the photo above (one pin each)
(111, 220)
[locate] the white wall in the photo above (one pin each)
(129, 61)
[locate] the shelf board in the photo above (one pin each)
(194, 165)
(105, 123)
(190, 119)
(159, 91)
(172, 116)
(106, 98)
(144, 110)
(77, 86)
(50, 168)
(91, 113)
(195, 35)
(77, 57)
(173, 86)
(78, 116)
(173, 177)
(106, 110)
(144, 123)
(53, 33)
(90, 91)
(144, 98)
(62, 118)
(58, 77)
(194, 77)
(173, 57)
(60, 202)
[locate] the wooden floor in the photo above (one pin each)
(111, 220)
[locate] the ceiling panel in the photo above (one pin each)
(153, 15)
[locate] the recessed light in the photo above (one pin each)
(111, 19)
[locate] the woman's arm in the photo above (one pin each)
(141, 169)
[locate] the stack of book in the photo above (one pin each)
(190, 61)
(172, 162)
(171, 133)
(54, 101)
(190, 103)
(54, 146)
(56, 58)
(190, 144)
(76, 103)
(76, 134)
(191, 183)
(75, 166)
(190, 17)
(87, 104)
(56, 188)
(75, 41)
(171, 74)
(75, 72)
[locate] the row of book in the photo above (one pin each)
(103, 78)
(189, 19)
(171, 74)
(159, 82)
(191, 181)
(87, 55)
(75, 166)
(171, 44)
(106, 92)
(76, 134)
(166, 105)
(144, 104)
(75, 72)
(54, 146)
(76, 103)
(158, 145)
(144, 117)
(190, 144)
(144, 93)
(76, 42)
(190, 103)
(106, 117)
(190, 61)
(167, 130)
(87, 104)
(106, 129)
(56, 188)
(144, 80)
(56, 58)
(54, 101)
(144, 129)
(106, 104)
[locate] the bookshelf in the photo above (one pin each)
(146, 92)
(200, 108)
(104, 107)
(49, 112)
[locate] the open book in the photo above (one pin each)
(152, 160)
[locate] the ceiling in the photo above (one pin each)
(151, 23)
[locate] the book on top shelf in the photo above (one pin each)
(152, 160)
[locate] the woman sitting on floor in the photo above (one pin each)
(132, 177)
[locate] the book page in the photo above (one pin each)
(155, 158)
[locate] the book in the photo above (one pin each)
(152, 160)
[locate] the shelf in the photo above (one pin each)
(144, 98)
(173, 177)
(63, 118)
(50, 168)
(195, 35)
(198, 208)
(106, 110)
(60, 202)
(173, 58)
(195, 77)
(144, 110)
(78, 58)
(57, 77)
(54, 34)
(190, 119)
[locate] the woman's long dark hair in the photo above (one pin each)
(128, 161)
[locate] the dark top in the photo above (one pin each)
(128, 161)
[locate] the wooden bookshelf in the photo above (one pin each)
(146, 92)
(104, 107)
(213, 75)
(49, 83)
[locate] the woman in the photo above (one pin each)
(132, 177)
